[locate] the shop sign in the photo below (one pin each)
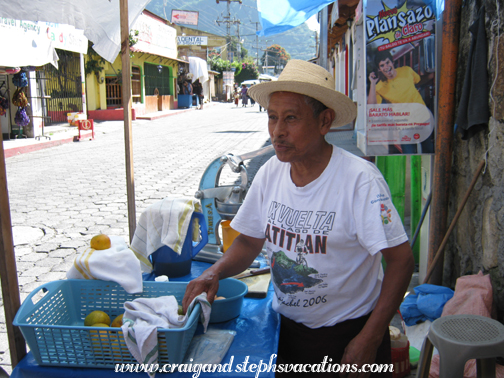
(64, 37)
(400, 41)
(155, 37)
(192, 40)
(184, 17)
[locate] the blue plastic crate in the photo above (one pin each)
(51, 320)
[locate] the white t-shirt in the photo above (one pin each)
(345, 218)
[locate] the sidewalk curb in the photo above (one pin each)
(10, 152)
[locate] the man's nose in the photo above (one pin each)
(278, 129)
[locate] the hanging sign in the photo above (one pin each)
(184, 17)
(400, 41)
(192, 40)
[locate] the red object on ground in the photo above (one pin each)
(85, 125)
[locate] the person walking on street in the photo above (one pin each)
(198, 91)
(244, 95)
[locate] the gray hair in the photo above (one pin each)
(316, 105)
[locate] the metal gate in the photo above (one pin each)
(63, 86)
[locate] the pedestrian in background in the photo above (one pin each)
(244, 95)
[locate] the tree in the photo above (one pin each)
(248, 71)
(275, 55)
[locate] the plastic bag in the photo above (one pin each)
(20, 80)
(209, 348)
(426, 304)
(19, 98)
(21, 118)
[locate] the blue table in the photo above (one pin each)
(257, 330)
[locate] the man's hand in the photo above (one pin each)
(208, 283)
(359, 351)
(362, 349)
(237, 258)
(373, 79)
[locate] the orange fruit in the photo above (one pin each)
(117, 322)
(100, 242)
(97, 317)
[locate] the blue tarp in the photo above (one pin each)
(426, 304)
(281, 15)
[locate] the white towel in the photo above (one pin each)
(144, 315)
(163, 223)
(118, 264)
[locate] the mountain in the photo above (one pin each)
(298, 42)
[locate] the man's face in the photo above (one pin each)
(294, 132)
(387, 68)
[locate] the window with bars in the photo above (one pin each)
(136, 84)
(157, 76)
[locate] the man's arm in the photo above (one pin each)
(373, 79)
(237, 258)
(362, 349)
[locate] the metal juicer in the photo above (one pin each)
(221, 202)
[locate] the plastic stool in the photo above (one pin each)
(459, 338)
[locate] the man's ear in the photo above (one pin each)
(327, 118)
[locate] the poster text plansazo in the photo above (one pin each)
(400, 50)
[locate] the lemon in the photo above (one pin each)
(101, 241)
(117, 322)
(97, 317)
(180, 310)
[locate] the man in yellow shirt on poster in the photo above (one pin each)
(396, 85)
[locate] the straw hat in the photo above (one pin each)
(311, 80)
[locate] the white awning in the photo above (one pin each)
(19, 50)
(98, 18)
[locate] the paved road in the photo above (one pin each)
(60, 197)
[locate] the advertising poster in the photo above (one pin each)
(400, 62)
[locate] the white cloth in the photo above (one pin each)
(163, 223)
(99, 19)
(345, 218)
(143, 316)
(118, 264)
(198, 67)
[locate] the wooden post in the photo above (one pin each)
(8, 271)
(126, 98)
(444, 136)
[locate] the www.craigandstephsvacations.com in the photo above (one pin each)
(326, 366)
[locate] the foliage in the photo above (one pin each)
(244, 70)
(248, 71)
(94, 62)
(221, 65)
(275, 55)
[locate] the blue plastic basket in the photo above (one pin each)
(52, 322)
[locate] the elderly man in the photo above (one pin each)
(326, 218)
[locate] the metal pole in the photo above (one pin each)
(126, 99)
(444, 136)
(323, 38)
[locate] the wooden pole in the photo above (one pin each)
(444, 135)
(126, 100)
(8, 270)
(439, 253)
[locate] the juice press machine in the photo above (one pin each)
(221, 202)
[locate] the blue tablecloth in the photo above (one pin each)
(257, 330)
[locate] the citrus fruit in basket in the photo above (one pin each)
(117, 322)
(97, 317)
(100, 242)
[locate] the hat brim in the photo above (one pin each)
(344, 107)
